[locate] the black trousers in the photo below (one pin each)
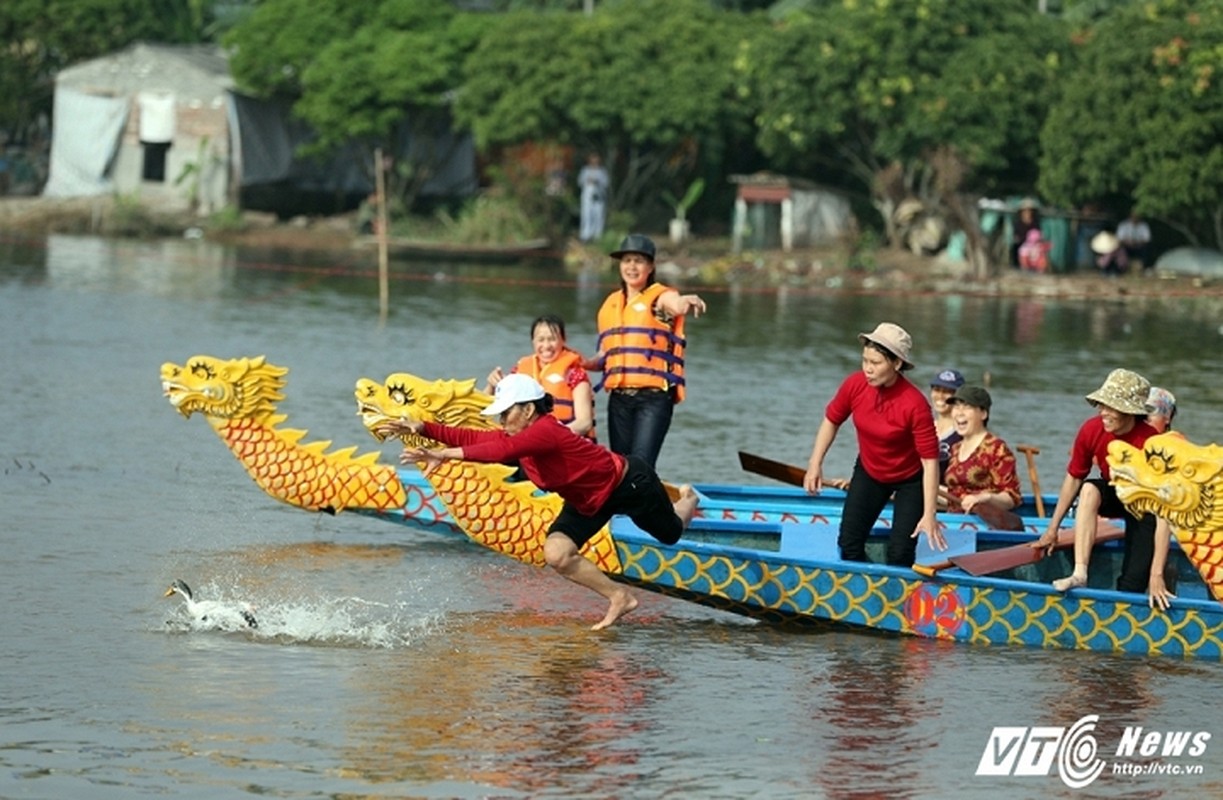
(1138, 550)
(865, 501)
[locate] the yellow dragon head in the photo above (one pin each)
(1172, 478)
(226, 389)
(405, 396)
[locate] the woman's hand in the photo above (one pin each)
(1046, 542)
(431, 459)
(933, 529)
(493, 379)
(1157, 593)
(691, 304)
(813, 481)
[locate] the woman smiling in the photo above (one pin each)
(981, 467)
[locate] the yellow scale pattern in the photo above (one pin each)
(306, 477)
(508, 517)
(980, 614)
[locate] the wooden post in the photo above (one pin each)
(380, 231)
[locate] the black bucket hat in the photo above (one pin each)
(635, 243)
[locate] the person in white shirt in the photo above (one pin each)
(1134, 235)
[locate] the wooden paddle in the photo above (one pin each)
(986, 562)
(785, 473)
(996, 518)
(1029, 451)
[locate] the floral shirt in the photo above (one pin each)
(990, 468)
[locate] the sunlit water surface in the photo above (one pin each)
(391, 662)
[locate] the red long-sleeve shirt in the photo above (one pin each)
(894, 423)
(1091, 445)
(555, 458)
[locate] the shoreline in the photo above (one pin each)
(707, 261)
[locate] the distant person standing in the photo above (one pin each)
(1134, 235)
(594, 183)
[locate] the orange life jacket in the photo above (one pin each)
(552, 378)
(641, 351)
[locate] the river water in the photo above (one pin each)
(391, 662)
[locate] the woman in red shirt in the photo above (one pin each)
(593, 482)
(1121, 405)
(897, 450)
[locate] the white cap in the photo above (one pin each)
(512, 390)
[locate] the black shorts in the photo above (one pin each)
(639, 496)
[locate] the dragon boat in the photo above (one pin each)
(768, 553)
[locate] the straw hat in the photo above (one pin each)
(894, 338)
(1104, 243)
(1123, 390)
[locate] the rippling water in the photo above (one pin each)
(390, 662)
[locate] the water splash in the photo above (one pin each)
(346, 622)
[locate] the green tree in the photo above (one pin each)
(646, 84)
(1140, 117)
(363, 75)
(871, 91)
(40, 37)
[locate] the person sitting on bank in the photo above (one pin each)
(1134, 234)
(1111, 258)
(1121, 403)
(981, 470)
(594, 483)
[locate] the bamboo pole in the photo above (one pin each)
(381, 233)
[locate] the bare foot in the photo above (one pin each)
(1072, 582)
(621, 604)
(685, 506)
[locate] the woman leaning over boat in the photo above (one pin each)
(897, 450)
(593, 482)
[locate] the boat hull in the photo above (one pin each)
(720, 502)
(802, 581)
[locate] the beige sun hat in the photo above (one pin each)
(1104, 243)
(894, 338)
(1123, 390)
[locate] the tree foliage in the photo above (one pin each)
(872, 87)
(362, 75)
(40, 37)
(647, 84)
(1140, 117)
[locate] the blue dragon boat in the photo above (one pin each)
(763, 552)
(788, 573)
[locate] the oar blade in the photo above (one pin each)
(987, 562)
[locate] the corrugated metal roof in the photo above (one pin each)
(190, 72)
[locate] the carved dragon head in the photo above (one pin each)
(1172, 478)
(405, 396)
(236, 388)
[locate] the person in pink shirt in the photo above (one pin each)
(897, 450)
(594, 482)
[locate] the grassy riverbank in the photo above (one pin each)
(703, 260)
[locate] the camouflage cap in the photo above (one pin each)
(1123, 390)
